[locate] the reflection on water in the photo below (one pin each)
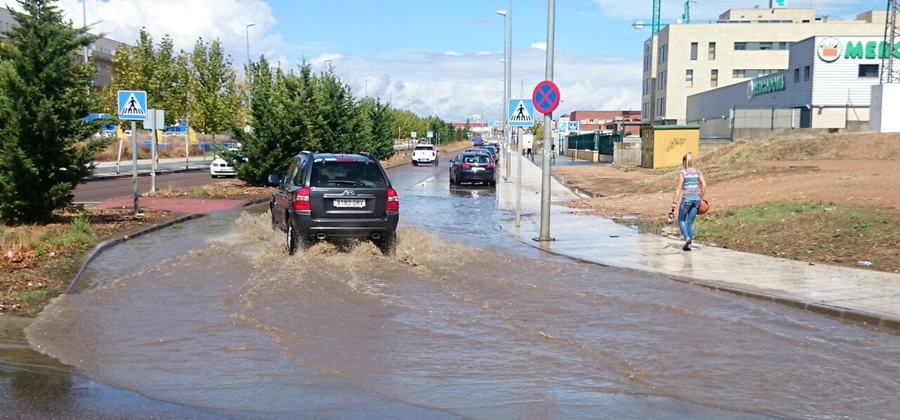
(442, 330)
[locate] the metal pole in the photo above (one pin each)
(505, 103)
(134, 165)
(153, 151)
(249, 63)
(119, 158)
(548, 119)
(509, 69)
(84, 10)
(519, 180)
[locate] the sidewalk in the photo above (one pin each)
(852, 294)
(105, 170)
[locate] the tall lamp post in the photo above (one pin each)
(392, 97)
(505, 93)
(367, 87)
(247, 75)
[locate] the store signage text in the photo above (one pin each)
(830, 50)
(765, 86)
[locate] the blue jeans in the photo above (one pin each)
(686, 216)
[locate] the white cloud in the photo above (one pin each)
(459, 86)
(454, 85)
(186, 21)
(539, 45)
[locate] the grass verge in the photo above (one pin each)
(37, 262)
(814, 232)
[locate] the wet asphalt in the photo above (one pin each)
(212, 320)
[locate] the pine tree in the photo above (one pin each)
(44, 95)
(267, 147)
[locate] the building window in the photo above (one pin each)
(661, 81)
(796, 75)
(714, 78)
(661, 107)
(763, 46)
(740, 46)
(689, 78)
(739, 74)
(646, 111)
(591, 121)
(694, 47)
(663, 50)
(712, 51)
(868, 70)
(806, 73)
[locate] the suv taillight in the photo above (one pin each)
(301, 201)
(465, 166)
(393, 203)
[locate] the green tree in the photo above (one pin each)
(44, 95)
(300, 100)
(382, 130)
(213, 73)
(267, 147)
(334, 121)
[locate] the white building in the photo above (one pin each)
(828, 84)
(687, 59)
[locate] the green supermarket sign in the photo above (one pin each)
(765, 86)
(830, 50)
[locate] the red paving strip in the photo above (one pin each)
(176, 205)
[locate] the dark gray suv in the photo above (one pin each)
(335, 196)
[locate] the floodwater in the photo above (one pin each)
(463, 322)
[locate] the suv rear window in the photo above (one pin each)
(476, 159)
(358, 174)
(424, 147)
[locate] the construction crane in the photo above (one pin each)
(656, 23)
(890, 65)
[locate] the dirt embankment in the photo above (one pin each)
(832, 198)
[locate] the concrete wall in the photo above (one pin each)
(592, 156)
(627, 153)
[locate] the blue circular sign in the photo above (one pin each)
(546, 97)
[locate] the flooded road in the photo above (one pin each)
(463, 322)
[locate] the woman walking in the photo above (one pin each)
(690, 192)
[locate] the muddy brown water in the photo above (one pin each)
(463, 322)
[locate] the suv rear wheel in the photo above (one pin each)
(294, 240)
(387, 244)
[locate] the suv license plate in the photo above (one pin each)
(345, 203)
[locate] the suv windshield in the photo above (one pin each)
(360, 174)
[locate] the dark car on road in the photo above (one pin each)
(472, 167)
(335, 196)
(495, 153)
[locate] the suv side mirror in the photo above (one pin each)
(274, 180)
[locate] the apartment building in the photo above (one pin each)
(102, 51)
(590, 121)
(685, 59)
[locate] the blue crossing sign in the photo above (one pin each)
(132, 105)
(521, 113)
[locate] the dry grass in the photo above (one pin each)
(236, 189)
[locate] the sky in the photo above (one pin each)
(439, 58)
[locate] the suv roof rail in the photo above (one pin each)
(369, 155)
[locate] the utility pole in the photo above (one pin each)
(548, 120)
(249, 63)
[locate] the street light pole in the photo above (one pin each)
(392, 97)
(249, 62)
(505, 99)
(367, 87)
(548, 119)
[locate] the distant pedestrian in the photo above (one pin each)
(690, 192)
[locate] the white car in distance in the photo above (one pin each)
(221, 167)
(424, 153)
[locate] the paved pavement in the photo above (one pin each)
(124, 168)
(857, 295)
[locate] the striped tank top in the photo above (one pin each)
(691, 184)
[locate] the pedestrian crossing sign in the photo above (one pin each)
(521, 113)
(132, 105)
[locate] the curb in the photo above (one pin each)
(866, 319)
(103, 246)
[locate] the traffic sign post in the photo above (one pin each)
(521, 114)
(156, 121)
(546, 98)
(133, 107)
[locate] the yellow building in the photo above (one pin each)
(685, 59)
